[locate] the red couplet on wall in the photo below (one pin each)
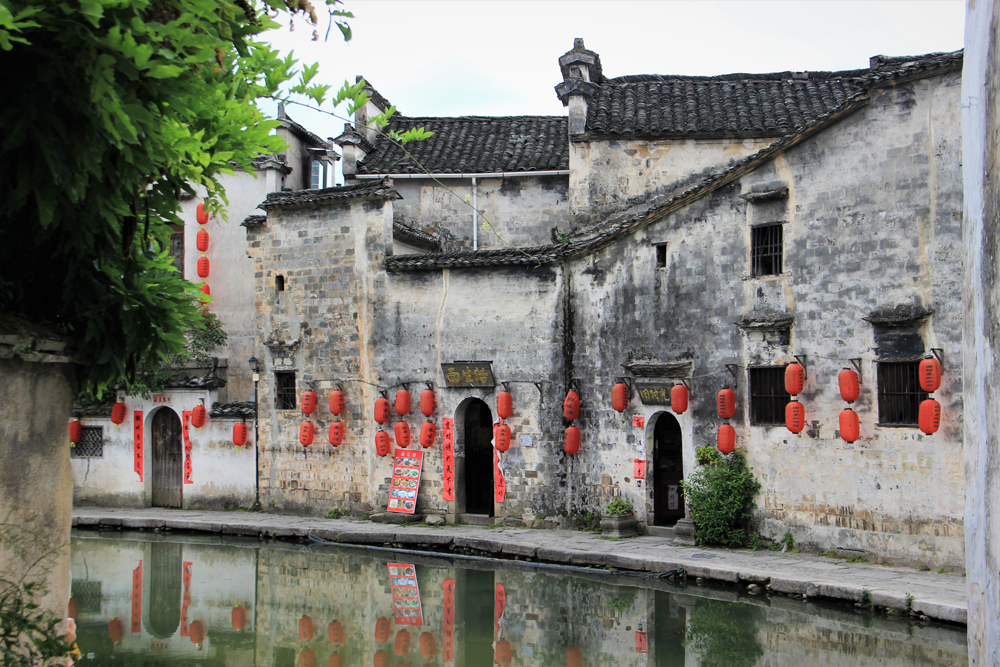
(306, 628)
(382, 443)
(201, 241)
(118, 412)
(795, 417)
(402, 430)
(726, 403)
(929, 418)
(75, 430)
(306, 433)
(850, 427)
(239, 617)
(850, 389)
(381, 410)
(929, 373)
(199, 415)
(619, 397)
(402, 402)
(201, 214)
(382, 630)
(402, 644)
(307, 658)
(795, 378)
(335, 633)
(679, 398)
(204, 267)
(239, 434)
(726, 439)
(336, 433)
(427, 434)
(308, 402)
(503, 438)
(572, 445)
(337, 402)
(505, 405)
(571, 406)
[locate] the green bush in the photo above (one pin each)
(720, 496)
(618, 506)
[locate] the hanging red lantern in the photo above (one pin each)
(572, 445)
(201, 214)
(239, 617)
(207, 291)
(382, 443)
(74, 608)
(75, 431)
(335, 660)
(503, 438)
(428, 645)
(726, 439)
(306, 628)
(679, 398)
(725, 403)
(795, 378)
(201, 241)
(337, 402)
(306, 433)
(573, 657)
(619, 397)
(402, 434)
(118, 412)
(850, 389)
(381, 658)
(382, 630)
(335, 633)
(427, 433)
(307, 658)
(308, 402)
(203, 267)
(381, 410)
(428, 402)
(505, 404)
(502, 653)
(336, 433)
(402, 402)
(929, 416)
(199, 415)
(197, 630)
(795, 417)
(116, 629)
(850, 427)
(571, 406)
(239, 434)
(929, 373)
(402, 644)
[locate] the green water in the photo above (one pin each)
(146, 599)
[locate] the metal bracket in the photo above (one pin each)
(505, 387)
(541, 394)
(430, 384)
(384, 392)
(801, 358)
(628, 381)
(574, 384)
(405, 385)
(856, 362)
(732, 371)
(340, 386)
(687, 383)
(938, 352)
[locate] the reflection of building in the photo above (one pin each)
(706, 230)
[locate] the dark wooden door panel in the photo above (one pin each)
(168, 459)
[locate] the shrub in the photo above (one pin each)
(720, 496)
(619, 506)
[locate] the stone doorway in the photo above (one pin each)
(476, 423)
(168, 459)
(668, 471)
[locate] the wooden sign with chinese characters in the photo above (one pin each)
(448, 451)
(162, 399)
(137, 451)
(405, 594)
(185, 431)
(405, 480)
(654, 394)
(468, 374)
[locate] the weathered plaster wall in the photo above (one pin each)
(981, 318)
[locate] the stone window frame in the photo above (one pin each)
(756, 394)
(661, 252)
(905, 386)
(770, 193)
(91, 445)
(285, 397)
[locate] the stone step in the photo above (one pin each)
(658, 531)
(477, 519)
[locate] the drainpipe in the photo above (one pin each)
(256, 449)
(475, 215)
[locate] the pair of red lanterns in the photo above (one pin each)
(505, 408)
(307, 431)
(571, 411)
(725, 406)
(428, 431)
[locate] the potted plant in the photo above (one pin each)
(620, 519)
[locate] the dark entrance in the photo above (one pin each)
(668, 471)
(670, 629)
(475, 593)
(478, 458)
(165, 574)
(168, 459)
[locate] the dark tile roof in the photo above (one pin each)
(415, 237)
(254, 221)
(381, 188)
(196, 382)
(237, 410)
(474, 145)
(299, 131)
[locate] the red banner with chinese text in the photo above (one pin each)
(137, 599)
(188, 468)
(137, 451)
(448, 450)
(448, 649)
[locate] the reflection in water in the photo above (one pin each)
(151, 600)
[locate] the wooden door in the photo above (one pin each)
(168, 459)
(668, 471)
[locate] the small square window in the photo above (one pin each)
(766, 250)
(899, 393)
(768, 397)
(91, 443)
(661, 255)
(177, 248)
(284, 390)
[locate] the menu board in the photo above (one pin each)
(405, 594)
(405, 480)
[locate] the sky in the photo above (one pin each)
(486, 58)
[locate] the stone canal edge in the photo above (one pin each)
(941, 597)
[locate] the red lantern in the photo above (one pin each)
(850, 428)
(381, 658)
(930, 416)
(795, 378)
(307, 658)
(726, 439)
(201, 214)
(239, 434)
(335, 633)
(201, 240)
(382, 630)
(199, 415)
(197, 630)
(572, 445)
(795, 417)
(337, 402)
(402, 434)
(335, 660)
(427, 433)
(573, 657)
(502, 654)
(571, 406)
(382, 443)
(503, 438)
(929, 373)
(74, 608)
(381, 410)
(306, 433)
(75, 431)
(203, 267)
(679, 398)
(505, 405)
(849, 387)
(308, 402)
(726, 403)
(306, 628)
(116, 629)
(428, 402)
(402, 402)
(336, 433)
(619, 397)
(402, 644)
(239, 617)
(207, 291)
(118, 412)
(428, 645)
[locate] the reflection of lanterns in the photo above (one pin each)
(929, 416)
(402, 402)
(571, 406)
(402, 644)
(306, 433)
(679, 398)
(337, 402)
(308, 402)
(726, 441)
(402, 430)
(428, 402)
(336, 433)
(381, 659)
(75, 431)
(74, 608)
(573, 657)
(198, 416)
(726, 403)
(795, 417)
(849, 389)
(381, 410)
(572, 444)
(335, 633)
(239, 434)
(501, 655)
(382, 630)
(503, 438)
(619, 397)
(116, 629)
(929, 373)
(306, 628)
(427, 434)
(335, 660)
(849, 426)
(239, 617)
(118, 412)
(307, 658)
(382, 443)
(795, 378)
(505, 404)
(428, 645)
(197, 630)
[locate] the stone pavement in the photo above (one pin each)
(938, 596)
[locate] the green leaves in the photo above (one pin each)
(720, 496)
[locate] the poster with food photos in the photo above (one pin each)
(406, 466)
(405, 594)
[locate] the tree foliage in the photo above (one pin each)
(721, 498)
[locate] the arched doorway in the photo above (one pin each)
(168, 459)
(668, 471)
(477, 429)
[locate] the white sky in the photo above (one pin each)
(481, 57)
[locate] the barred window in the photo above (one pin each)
(284, 390)
(91, 443)
(766, 250)
(177, 247)
(87, 594)
(768, 397)
(899, 393)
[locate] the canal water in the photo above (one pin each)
(148, 599)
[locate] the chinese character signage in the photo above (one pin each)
(405, 481)
(640, 469)
(654, 394)
(405, 594)
(137, 451)
(448, 450)
(188, 466)
(448, 650)
(468, 374)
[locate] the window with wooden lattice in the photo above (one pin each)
(91, 443)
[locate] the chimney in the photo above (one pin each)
(582, 76)
(355, 146)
